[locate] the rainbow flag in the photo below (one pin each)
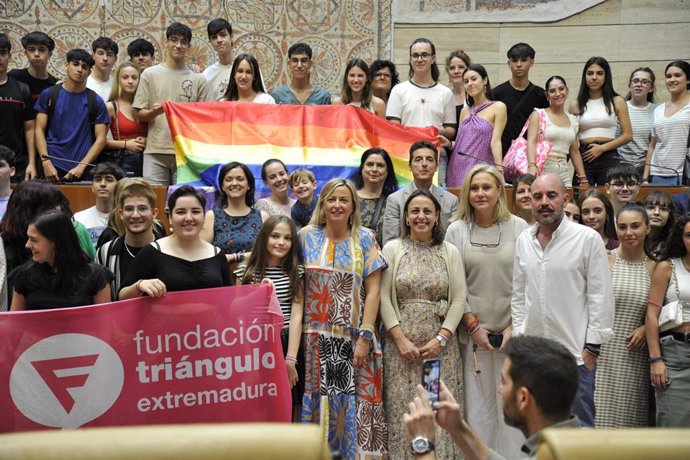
(328, 139)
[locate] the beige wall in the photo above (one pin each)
(628, 33)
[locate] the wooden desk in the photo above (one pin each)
(81, 197)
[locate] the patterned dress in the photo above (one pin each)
(474, 138)
(621, 392)
(347, 399)
(367, 212)
(235, 233)
(421, 283)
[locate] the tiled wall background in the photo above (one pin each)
(629, 33)
(337, 30)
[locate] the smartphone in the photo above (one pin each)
(496, 340)
(431, 378)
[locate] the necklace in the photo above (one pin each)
(128, 251)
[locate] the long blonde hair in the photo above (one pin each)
(319, 215)
(115, 90)
(465, 211)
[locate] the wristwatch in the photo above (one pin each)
(367, 335)
(422, 445)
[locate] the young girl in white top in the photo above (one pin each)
(599, 109)
(561, 129)
(670, 130)
(277, 258)
(641, 107)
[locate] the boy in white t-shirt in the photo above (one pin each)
(105, 54)
(95, 218)
(217, 75)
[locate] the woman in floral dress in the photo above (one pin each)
(343, 361)
(422, 303)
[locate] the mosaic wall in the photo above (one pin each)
(337, 30)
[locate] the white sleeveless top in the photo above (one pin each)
(596, 121)
(683, 287)
(561, 137)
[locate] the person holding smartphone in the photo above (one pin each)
(422, 302)
(484, 232)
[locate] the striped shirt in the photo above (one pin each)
(641, 119)
(671, 140)
(281, 284)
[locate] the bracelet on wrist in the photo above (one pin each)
(442, 340)
(655, 359)
(137, 286)
(125, 145)
(474, 330)
(532, 163)
(290, 359)
(367, 327)
(44, 159)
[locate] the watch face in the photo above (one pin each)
(420, 445)
(367, 335)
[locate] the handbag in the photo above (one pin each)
(671, 315)
(515, 162)
(115, 156)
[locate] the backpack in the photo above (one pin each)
(92, 101)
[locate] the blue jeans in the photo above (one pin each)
(663, 180)
(583, 406)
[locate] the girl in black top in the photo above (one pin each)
(181, 261)
(59, 273)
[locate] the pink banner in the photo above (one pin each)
(210, 355)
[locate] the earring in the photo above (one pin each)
(407, 223)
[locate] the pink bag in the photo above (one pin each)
(515, 162)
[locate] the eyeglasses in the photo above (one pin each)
(483, 244)
(662, 207)
(424, 56)
(637, 81)
(383, 75)
(179, 41)
(621, 184)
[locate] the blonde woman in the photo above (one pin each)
(484, 232)
(343, 356)
(128, 134)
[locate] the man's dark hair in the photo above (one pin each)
(548, 370)
(521, 50)
(300, 48)
(105, 43)
(180, 30)
(422, 145)
(8, 155)
(38, 38)
(103, 169)
(78, 54)
(5, 43)
(435, 73)
(140, 46)
(217, 25)
(622, 171)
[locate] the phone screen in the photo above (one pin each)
(431, 376)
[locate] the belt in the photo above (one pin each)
(679, 336)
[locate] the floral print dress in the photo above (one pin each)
(347, 400)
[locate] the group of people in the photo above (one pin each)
(373, 279)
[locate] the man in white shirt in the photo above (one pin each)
(562, 286)
(423, 164)
(422, 101)
(104, 53)
(95, 218)
(217, 75)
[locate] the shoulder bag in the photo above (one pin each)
(515, 162)
(671, 315)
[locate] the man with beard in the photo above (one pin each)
(136, 207)
(538, 384)
(562, 286)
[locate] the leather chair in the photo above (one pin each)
(603, 444)
(171, 442)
